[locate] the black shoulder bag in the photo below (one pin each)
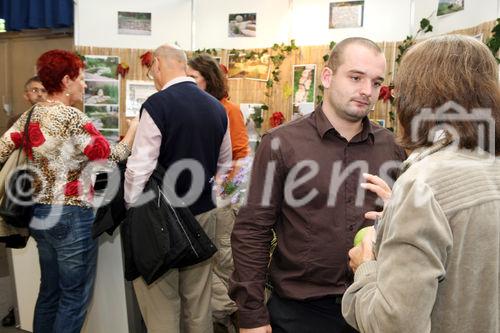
(16, 207)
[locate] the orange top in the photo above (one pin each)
(237, 130)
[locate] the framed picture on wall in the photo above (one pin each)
(255, 68)
(242, 25)
(137, 93)
(106, 120)
(102, 95)
(346, 14)
(304, 83)
(101, 68)
(134, 23)
(449, 6)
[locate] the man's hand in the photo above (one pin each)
(378, 186)
(364, 251)
(262, 329)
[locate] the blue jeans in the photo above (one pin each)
(68, 258)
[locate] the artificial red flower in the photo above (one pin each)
(35, 135)
(90, 128)
(385, 94)
(277, 119)
(72, 188)
(17, 138)
(122, 69)
(147, 59)
(97, 149)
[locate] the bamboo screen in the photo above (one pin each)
(252, 91)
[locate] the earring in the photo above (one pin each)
(67, 94)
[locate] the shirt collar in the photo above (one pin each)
(178, 79)
(323, 126)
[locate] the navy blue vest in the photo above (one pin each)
(192, 124)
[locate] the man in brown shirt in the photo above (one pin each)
(305, 185)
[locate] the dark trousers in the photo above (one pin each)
(318, 316)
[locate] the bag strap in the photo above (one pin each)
(25, 134)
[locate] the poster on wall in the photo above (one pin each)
(102, 94)
(449, 6)
(346, 14)
(137, 93)
(134, 23)
(242, 25)
(304, 88)
(255, 68)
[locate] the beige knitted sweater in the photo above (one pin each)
(438, 250)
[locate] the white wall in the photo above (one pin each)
(212, 23)
(306, 21)
(384, 20)
(96, 23)
(474, 13)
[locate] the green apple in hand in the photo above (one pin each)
(360, 235)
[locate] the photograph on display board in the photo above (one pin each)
(346, 14)
(304, 83)
(137, 93)
(449, 6)
(101, 68)
(133, 23)
(105, 119)
(256, 68)
(101, 93)
(242, 25)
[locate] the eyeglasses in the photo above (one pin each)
(149, 74)
(38, 90)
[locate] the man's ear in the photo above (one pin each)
(326, 77)
(25, 95)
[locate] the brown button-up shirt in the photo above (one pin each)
(305, 185)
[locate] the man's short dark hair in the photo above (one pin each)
(336, 56)
(32, 79)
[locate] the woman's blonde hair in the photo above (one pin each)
(448, 68)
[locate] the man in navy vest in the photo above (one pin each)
(185, 130)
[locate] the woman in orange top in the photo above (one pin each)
(209, 77)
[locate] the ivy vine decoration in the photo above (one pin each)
(425, 27)
(212, 52)
(493, 42)
(257, 116)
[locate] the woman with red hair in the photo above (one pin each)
(62, 144)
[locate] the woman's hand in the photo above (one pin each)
(378, 186)
(132, 128)
(364, 251)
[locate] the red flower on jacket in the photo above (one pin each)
(17, 138)
(97, 149)
(35, 135)
(72, 188)
(385, 94)
(277, 119)
(90, 128)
